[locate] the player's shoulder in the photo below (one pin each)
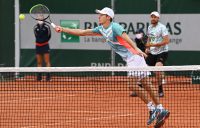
(35, 26)
(46, 25)
(161, 25)
(115, 24)
(158, 26)
(150, 26)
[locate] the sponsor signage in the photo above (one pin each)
(183, 31)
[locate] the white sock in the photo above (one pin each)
(159, 106)
(151, 106)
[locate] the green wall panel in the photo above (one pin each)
(7, 33)
(184, 58)
(135, 6)
(180, 6)
(63, 58)
(121, 6)
(66, 6)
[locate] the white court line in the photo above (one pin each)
(30, 99)
(98, 112)
(75, 121)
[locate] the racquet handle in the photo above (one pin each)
(53, 25)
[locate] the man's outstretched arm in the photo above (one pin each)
(77, 32)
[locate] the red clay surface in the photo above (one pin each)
(91, 103)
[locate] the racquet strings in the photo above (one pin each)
(39, 12)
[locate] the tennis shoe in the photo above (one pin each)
(153, 115)
(164, 114)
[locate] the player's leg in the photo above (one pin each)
(48, 64)
(130, 86)
(142, 93)
(39, 64)
(158, 112)
(135, 76)
(151, 89)
(47, 60)
(152, 106)
(46, 52)
(132, 63)
(156, 109)
(161, 58)
(153, 60)
(133, 93)
(39, 58)
(160, 78)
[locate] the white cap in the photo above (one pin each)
(155, 14)
(107, 11)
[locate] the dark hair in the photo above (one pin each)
(139, 31)
(111, 19)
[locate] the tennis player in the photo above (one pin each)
(157, 43)
(42, 34)
(117, 38)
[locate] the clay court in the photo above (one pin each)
(92, 102)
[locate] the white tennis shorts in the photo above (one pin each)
(137, 61)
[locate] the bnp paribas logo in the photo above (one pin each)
(65, 37)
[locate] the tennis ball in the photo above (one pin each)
(21, 16)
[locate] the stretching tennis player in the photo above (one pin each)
(116, 37)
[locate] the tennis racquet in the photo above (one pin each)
(40, 12)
